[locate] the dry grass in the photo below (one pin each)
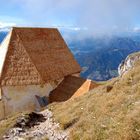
(102, 114)
(6, 124)
(9, 122)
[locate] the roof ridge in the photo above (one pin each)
(24, 27)
(29, 56)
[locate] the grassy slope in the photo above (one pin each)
(102, 115)
(6, 124)
(9, 122)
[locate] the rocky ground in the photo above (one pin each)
(36, 126)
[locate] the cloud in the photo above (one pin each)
(136, 29)
(5, 26)
(98, 16)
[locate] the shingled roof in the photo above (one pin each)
(35, 55)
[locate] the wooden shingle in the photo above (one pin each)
(37, 55)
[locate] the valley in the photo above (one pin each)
(100, 57)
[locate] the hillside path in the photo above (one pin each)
(43, 131)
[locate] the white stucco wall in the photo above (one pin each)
(22, 98)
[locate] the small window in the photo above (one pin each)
(43, 101)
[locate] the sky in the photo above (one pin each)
(94, 17)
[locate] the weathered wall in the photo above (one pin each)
(22, 98)
(1, 110)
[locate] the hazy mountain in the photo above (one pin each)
(2, 35)
(100, 57)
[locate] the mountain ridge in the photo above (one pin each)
(101, 58)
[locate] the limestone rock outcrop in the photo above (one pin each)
(128, 63)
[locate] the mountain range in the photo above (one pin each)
(2, 36)
(100, 57)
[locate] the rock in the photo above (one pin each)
(21, 139)
(36, 126)
(128, 63)
(109, 88)
(28, 121)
